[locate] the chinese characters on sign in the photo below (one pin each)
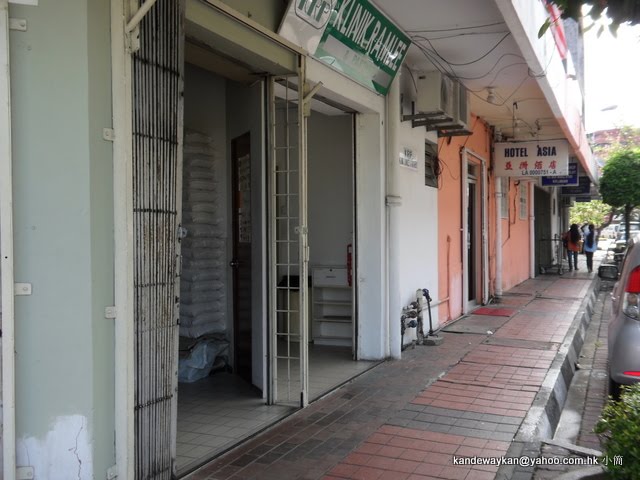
(564, 180)
(532, 159)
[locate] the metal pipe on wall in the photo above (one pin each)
(532, 231)
(499, 194)
(393, 201)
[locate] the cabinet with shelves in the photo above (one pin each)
(332, 306)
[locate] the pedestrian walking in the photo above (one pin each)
(590, 246)
(573, 243)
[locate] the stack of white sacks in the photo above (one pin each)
(203, 281)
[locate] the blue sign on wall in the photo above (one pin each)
(564, 180)
(583, 188)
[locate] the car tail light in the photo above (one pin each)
(632, 374)
(631, 299)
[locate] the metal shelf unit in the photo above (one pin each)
(332, 306)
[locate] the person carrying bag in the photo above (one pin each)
(573, 241)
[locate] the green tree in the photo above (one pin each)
(595, 211)
(620, 182)
(619, 11)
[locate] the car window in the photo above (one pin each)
(628, 255)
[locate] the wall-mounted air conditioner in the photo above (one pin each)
(435, 94)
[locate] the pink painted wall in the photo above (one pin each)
(450, 216)
(515, 231)
(515, 239)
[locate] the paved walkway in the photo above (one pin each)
(413, 418)
(587, 396)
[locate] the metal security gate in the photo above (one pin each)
(157, 87)
(289, 241)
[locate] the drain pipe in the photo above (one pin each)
(532, 230)
(393, 201)
(6, 250)
(499, 194)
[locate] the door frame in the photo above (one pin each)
(301, 97)
(482, 262)
(7, 393)
(121, 66)
(237, 142)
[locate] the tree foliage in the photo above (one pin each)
(619, 430)
(619, 11)
(596, 212)
(620, 181)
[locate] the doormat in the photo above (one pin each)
(495, 312)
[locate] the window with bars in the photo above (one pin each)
(430, 164)
(504, 199)
(523, 200)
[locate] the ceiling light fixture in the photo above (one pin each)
(491, 95)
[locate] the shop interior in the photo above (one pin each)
(224, 374)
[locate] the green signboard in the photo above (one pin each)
(363, 43)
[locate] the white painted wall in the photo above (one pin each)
(205, 105)
(63, 206)
(418, 220)
(371, 241)
(330, 188)
(417, 217)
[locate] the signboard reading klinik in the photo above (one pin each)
(531, 159)
(352, 36)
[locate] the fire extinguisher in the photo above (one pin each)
(350, 264)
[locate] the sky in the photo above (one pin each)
(612, 77)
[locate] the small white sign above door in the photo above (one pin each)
(408, 159)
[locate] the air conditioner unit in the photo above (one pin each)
(435, 94)
(462, 114)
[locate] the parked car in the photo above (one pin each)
(609, 232)
(624, 323)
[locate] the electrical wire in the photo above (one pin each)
(457, 28)
(471, 129)
(415, 85)
(450, 71)
(481, 57)
(457, 35)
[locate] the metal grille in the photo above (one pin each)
(288, 243)
(157, 83)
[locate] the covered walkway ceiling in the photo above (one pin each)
(469, 41)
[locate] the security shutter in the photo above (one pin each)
(157, 84)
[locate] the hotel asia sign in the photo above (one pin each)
(531, 159)
(352, 36)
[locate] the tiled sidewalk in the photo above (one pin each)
(414, 418)
(593, 363)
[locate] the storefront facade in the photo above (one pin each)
(195, 176)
